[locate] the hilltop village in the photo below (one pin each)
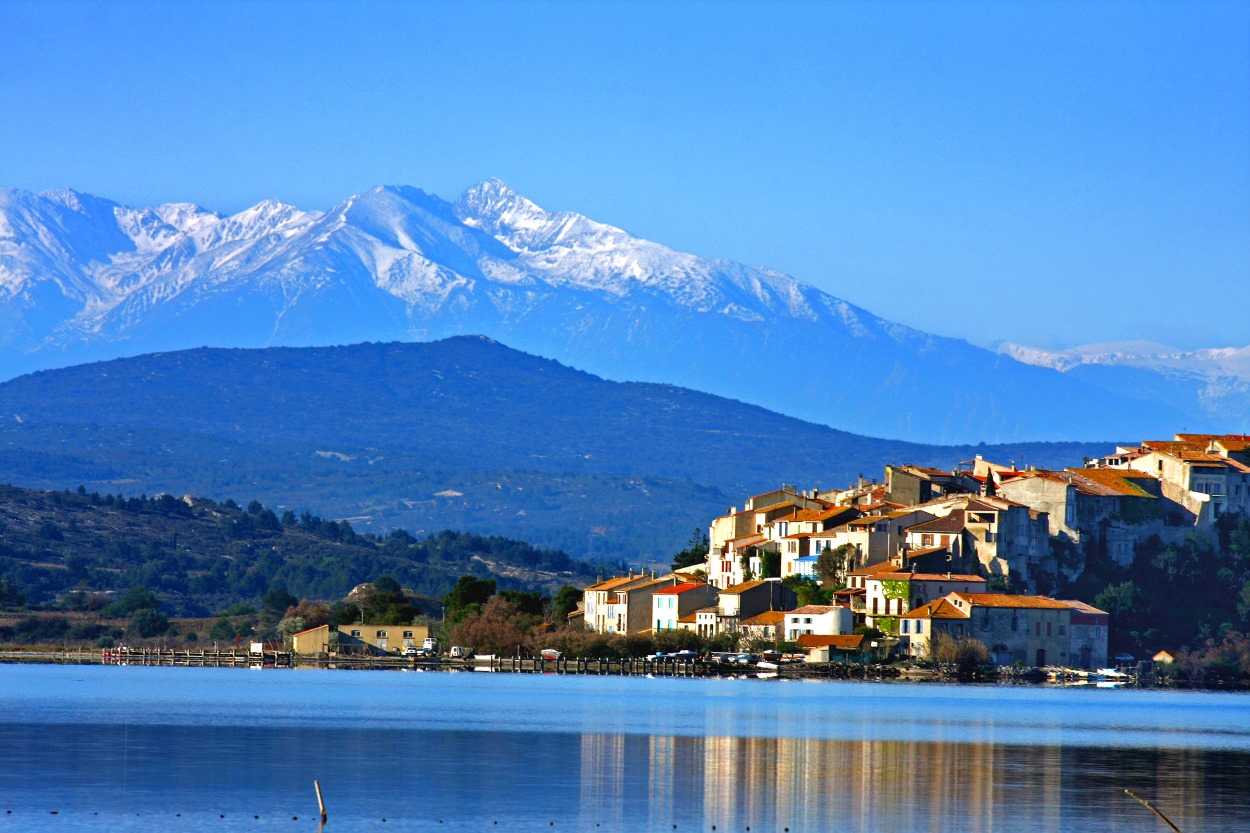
(972, 553)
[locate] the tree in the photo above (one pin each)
(148, 622)
(832, 562)
(770, 564)
(564, 602)
(695, 552)
(499, 628)
(275, 603)
(469, 590)
(136, 598)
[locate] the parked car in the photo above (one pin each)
(460, 652)
(411, 651)
(685, 656)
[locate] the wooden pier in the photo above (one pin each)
(628, 667)
(203, 658)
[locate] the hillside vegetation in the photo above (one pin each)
(461, 434)
(200, 556)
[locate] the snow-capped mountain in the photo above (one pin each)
(1216, 382)
(84, 278)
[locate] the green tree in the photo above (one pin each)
(564, 602)
(274, 604)
(832, 563)
(135, 598)
(469, 590)
(147, 622)
(695, 552)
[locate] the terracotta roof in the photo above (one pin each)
(613, 583)
(1010, 600)
(684, 587)
(843, 642)
(1111, 481)
(743, 587)
(873, 569)
(836, 511)
(1082, 607)
(941, 577)
(768, 617)
(813, 610)
(688, 620)
(936, 609)
(754, 536)
(850, 591)
(954, 522)
(774, 506)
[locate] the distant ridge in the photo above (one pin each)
(83, 278)
(463, 433)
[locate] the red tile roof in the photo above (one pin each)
(1012, 601)
(936, 609)
(768, 617)
(843, 642)
(684, 587)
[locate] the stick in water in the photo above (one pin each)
(1152, 809)
(322, 805)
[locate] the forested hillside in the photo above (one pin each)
(461, 434)
(201, 556)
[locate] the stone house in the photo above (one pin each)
(1087, 642)
(1025, 630)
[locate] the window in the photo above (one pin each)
(407, 634)
(1037, 628)
(807, 620)
(381, 634)
(919, 626)
(1048, 629)
(1062, 630)
(905, 627)
(926, 540)
(355, 633)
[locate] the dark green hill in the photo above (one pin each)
(463, 433)
(200, 556)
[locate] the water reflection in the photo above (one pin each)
(177, 749)
(817, 784)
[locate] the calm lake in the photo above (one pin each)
(188, 749)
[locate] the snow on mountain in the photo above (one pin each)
(1215, 381)
(83, 278)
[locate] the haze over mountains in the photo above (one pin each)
(84, 278)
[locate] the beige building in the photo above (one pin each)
(381, 639)
(1025, 630)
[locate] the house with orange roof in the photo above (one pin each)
(1087, 635)
(913, 485)
(763, 626)
(1017, 629)
(742, 601)
(622, 604)
(1203, 473)
(669, 605)
(888, 595)
(1106, 508)
(822, 620)
(759, 510)
(834, 648)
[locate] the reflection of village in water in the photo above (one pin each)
(802, 784)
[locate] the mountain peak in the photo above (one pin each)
(492, 206)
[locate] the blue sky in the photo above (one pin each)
(1050, 174)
